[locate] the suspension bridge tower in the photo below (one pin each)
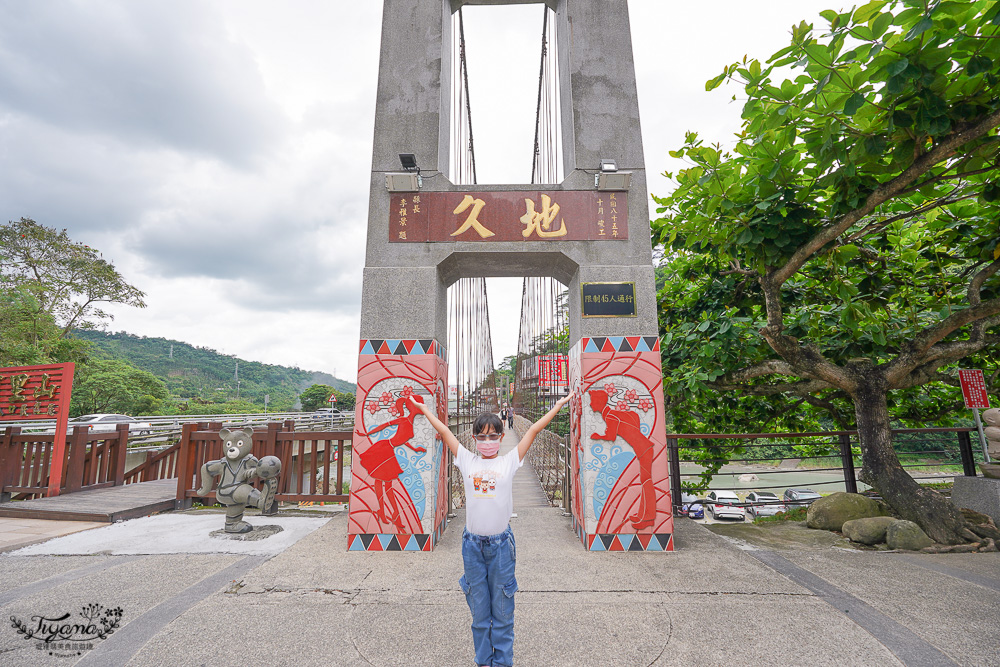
(429, 227)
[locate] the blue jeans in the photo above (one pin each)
(489, 586)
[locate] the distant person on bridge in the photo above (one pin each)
(488, 549)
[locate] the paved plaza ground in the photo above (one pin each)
(717, 600)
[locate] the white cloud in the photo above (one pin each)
(219, 151)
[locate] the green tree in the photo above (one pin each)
(343, 400)
(29, 336)
(68, 280)
(315, 397)
(845, 250)
(111, 385)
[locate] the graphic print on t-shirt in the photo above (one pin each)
(484, 483)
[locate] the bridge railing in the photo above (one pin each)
(169, 427)
(315, 465)
(549, 457)
(92, 461)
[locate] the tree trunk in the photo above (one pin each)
(881, 468)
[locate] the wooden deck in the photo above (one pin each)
(116, 503)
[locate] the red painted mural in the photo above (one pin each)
(398, 471)
(620, 464)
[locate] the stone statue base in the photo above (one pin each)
(978, 493)
(991, 470)
(258, 533)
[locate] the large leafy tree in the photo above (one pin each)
(316, 396)
(112, 385)
(844, 253)
(68, 280)
(30, 336)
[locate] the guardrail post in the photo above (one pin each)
(271, 440)
(673, 451)
(847, 461)
(77, 458)
(965, 449)
(121, 451)
(10, 464)
(566, 486)
(185, 465)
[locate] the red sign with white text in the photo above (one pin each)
(40, 392)
(974, 389)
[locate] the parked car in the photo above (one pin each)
(800, 497)
(106, 423)
(763, 503)
(691, 506)
(724, 504)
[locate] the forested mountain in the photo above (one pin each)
(202, 375)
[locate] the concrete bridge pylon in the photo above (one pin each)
(428, 233)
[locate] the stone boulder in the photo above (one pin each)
(830, 512)
(907, 535)
(981, 524)
(870, 530)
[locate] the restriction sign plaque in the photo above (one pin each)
(974, 389)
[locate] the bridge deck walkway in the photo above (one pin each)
(116, 503)
(527, 489)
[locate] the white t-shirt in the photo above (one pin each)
(489, 490)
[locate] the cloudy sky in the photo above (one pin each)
(218, 151)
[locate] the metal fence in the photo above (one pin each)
(549, 457)
(168, 428)
(778, 456)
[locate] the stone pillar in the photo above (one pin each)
(399, 471)
(620, 475)
(621, 491)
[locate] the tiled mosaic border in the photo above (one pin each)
(403, 347)
(625, 541)
(621, 344)
(394, 542)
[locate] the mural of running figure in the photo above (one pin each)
(625, 423)
(381, 463)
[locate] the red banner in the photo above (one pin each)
(557, 215)
(40, 392)
(553, 371)
(974, 389)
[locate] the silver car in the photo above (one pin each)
(800, 497)
(723, 504)
(763, 503)
(108, 423)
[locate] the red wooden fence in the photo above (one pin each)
(92, 461)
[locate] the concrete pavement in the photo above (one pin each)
(716, 600)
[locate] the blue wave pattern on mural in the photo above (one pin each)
(608, 476)
(413, 483)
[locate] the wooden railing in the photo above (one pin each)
(93, 461)
(312, 462)
(158, 465)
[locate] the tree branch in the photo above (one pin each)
(925, 346)
(885, 192)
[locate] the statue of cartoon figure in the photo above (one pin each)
(237, 470)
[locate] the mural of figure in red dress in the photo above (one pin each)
(625, 424)
(381, 463)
